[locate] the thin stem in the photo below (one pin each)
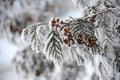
(100, 12)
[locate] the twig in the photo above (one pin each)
(100, 12)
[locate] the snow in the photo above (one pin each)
(9, 49)
(7, 52)
(8, 74)
(17, 7)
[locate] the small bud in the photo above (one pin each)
(53, 21)
(65, 41)
(57, 25)
(62, 22)
(37, 73)
(67, 29)
(69, 35)
(57, 19)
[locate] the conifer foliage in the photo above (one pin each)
(94, 35)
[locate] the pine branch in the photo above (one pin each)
(75, 56)
(54, 46)
(33, 36)
(98, 13)
(83, 32)
(117, 60)
(103, 71)
(81, 2)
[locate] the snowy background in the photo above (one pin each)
(9, 49)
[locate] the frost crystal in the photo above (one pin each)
(34, 36)
(90, 41)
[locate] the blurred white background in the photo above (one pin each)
(9, 49)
